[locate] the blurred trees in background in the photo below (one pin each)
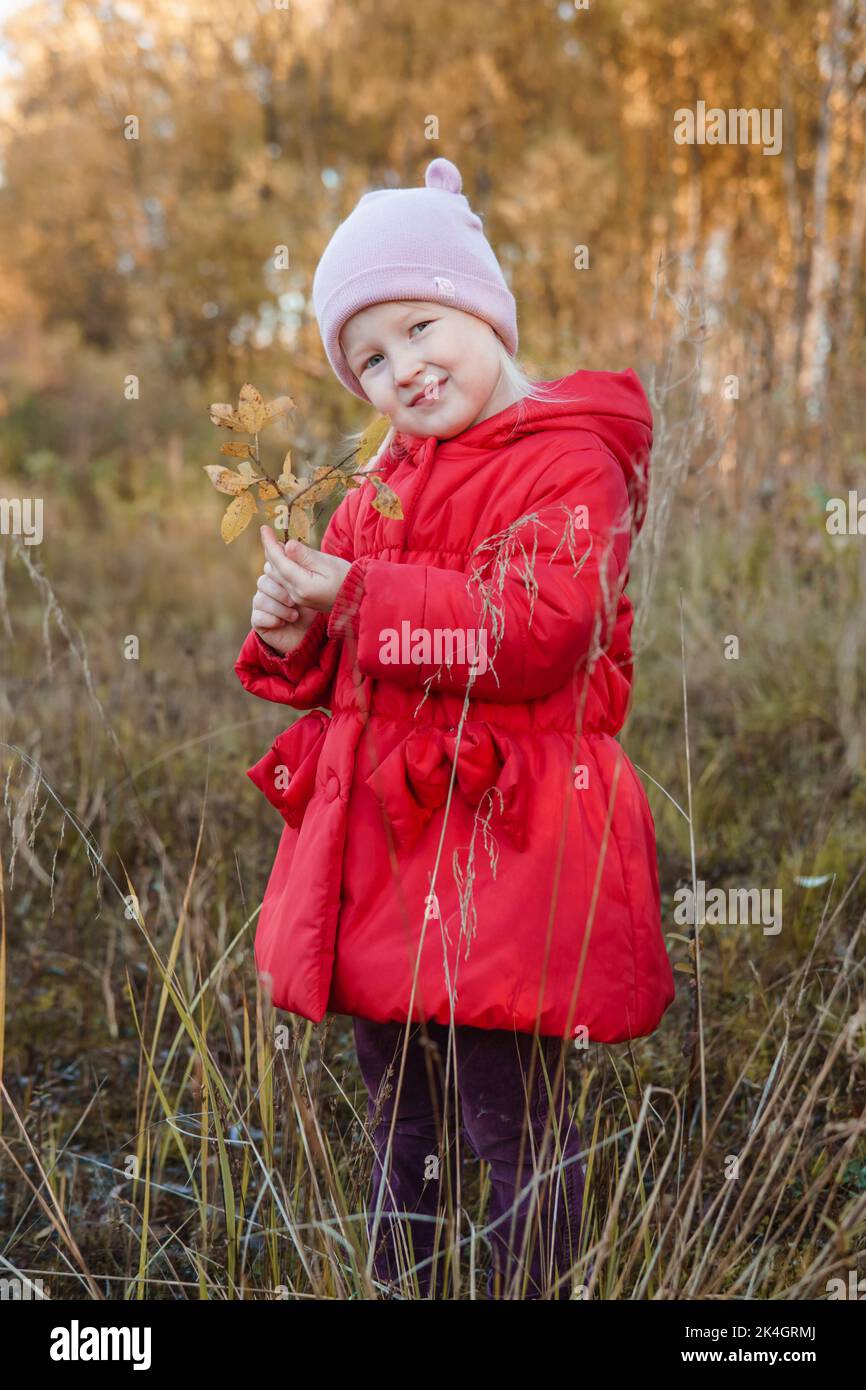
(260, 127)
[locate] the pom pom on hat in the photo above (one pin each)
(410, 243)
(441, 173)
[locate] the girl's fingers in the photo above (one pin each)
(281, 610)
(271, 584)
(284, 568)
(275, 589)
(264, 604)
(305, 583)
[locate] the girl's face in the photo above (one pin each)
(433, 369)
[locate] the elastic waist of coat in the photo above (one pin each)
(419, 724)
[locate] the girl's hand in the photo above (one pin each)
(276, 617)
(311, 578)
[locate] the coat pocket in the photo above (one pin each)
(286, 775)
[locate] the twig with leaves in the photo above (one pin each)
(287, 499)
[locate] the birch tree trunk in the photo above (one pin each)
(816, 333)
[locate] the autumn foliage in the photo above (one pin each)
(288, 500)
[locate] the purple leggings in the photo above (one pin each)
(493, 1074)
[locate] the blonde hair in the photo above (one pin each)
(522, 385)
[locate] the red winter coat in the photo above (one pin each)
(542, 900)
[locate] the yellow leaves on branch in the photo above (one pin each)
(287, 500)
(252, 414)
(239, 485)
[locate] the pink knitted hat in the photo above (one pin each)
(410, 243)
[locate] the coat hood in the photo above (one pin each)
(612, 406)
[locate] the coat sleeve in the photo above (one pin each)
(574, 539)
(303, 678)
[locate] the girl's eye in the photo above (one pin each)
(423, 324)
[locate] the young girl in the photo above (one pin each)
(468, 856)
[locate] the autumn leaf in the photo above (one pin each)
(319, 491)
(281, 406)
(246, 471)
(237, 516)
(251, 409)
(268, 490)
(299, 524)
(225, 479)
(224, 415)
(236, 450)
(287, 483)
(372, 439)
(386, 500)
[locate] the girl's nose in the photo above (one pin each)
(406, 373)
